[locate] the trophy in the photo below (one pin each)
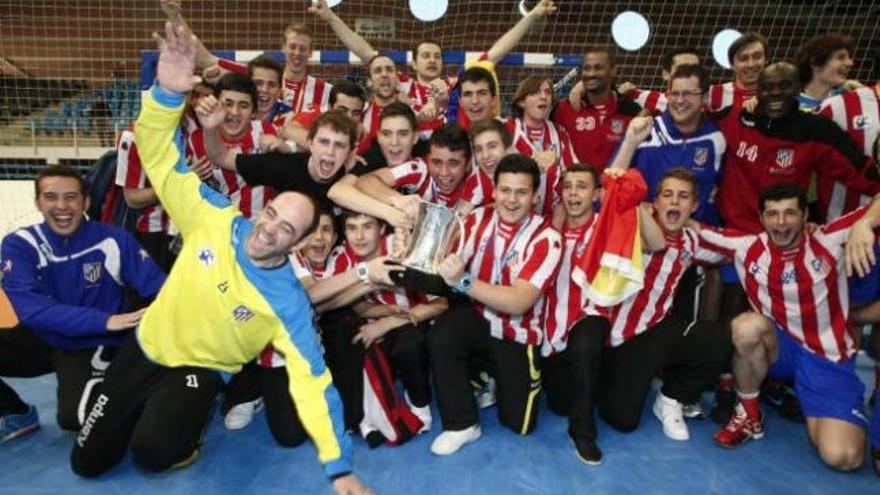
(435, 232)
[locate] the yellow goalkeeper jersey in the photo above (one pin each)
(217, 309)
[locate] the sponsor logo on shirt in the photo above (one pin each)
(92, 272)
(242, 313)
(223, 287)
(206, 256)
(861, 122)
(754, 268)
(821, 266)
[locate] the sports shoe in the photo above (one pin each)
(449, 442)
(740, 429)
(693, 411)
(587, 451)
(485, 393)
(18, 425)
(725, 401)
(242, 414)
(423, 413)
(191, 458)
(669, 412)
(783, 399)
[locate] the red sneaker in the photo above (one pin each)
(740, 429)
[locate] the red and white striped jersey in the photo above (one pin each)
(343, 258)
(312, 93)
(413, 178)
(372, 114)
(420, 95)
(270, 358)
(530, 141)
(499, 254)
(130, 174)
(726, 95)
(663, 271)
(804, 290)
(565, 303)
(481, 186)
(249, 199)
(858, 113)
(652, 100)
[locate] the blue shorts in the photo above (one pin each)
(825, 389)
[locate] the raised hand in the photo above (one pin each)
(210, 112)
(409, 205)
(380, 269)
(626, 88)
(321, 9)
(177, 59)
(172, 9)
(639, 129)
(544, 8)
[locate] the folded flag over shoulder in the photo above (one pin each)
(611, 268)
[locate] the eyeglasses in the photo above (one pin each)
(683, 94)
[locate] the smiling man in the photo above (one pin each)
(823, 63)
(795, 282)
(231, 293)
(66, 279)
(509, 263)
(747, 56)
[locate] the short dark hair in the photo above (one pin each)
(817, 50)
(487, 125)
(478, 74)
(606, 49)
(266, 62)
(744, 41)
(682, 174)
(692, 70)
(239, 83)
(669, 56)
(60, 171)
(517, 163)
(347, 88)
(582, 167)
(339, 122)
(377, 57)
(399, 109)
(783, 190)
(425, 41)
(452, 136)
(526, 87)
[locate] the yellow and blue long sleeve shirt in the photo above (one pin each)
(217, 309)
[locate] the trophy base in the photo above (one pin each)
(417, 280)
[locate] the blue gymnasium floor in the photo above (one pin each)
(645, 461)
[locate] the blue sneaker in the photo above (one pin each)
(17, 425)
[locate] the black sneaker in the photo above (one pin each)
(783, 399)
(725, 401)
(587, 451)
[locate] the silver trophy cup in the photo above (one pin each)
(436, 229)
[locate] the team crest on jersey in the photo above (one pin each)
(785, 157)
(820, 266)
(701, 156)
(617, 126)
(206, 256)
(861, 122)
(7, 266)
(92, 272)
(242, 313)
(754, 269)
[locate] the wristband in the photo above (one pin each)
(464, 284)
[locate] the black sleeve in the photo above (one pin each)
(283, 171)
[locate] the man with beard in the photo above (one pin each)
(599, 126)
(797, 328)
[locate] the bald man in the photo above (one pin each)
(231, 293)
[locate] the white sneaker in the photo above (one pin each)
(242, 414)
(669, 412)
(423, 413)
(449, 442)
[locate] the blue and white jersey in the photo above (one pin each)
(65, 288)
(701, 152)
